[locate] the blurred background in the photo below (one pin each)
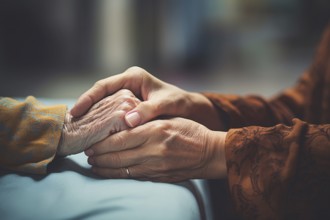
(59, 48)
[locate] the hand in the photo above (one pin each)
(104, 118)
(159, 98)
(162, 150)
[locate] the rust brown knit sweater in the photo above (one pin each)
(278, 150)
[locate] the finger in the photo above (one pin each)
(100, 89)
(117, 159)
(136, 172)
(120, 141)
(131, 79)
(113, 173)
(120, 101)
(123, 94)
(144, 112)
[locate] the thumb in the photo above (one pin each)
(141, 114)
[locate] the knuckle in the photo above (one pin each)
(160, 126)
(99, 83)
(117, 124)
(127, 97)
(100, 103)
(125, 92)
(138, 72)
(136, 101)
(128, 104)
(135, 69)
(119, 115)
(124, 107)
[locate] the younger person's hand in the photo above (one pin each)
(162, 150)
(158, 99)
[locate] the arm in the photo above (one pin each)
(308, 100)
(31, 134)
(167, 150)
(273, 172)
(280, 172)
(158, 99)
(240, 111)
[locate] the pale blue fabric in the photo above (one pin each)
(71, 191)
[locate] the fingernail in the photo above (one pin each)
(91, 161)
(89, 152)
(133, 119)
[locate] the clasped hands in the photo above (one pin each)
(156, 130)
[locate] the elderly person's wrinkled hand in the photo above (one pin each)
(158, 99)
(103, 119)
(169, 150)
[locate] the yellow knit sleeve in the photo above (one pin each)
(29, 134)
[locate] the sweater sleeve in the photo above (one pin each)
(241, 111)
(278, 150)
(308, 100)
(280, 172)
(29, 134)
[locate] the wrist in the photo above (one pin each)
(216, 167)
(62, 146)
(202, 110)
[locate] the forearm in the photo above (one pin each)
(200, 109)
(278, 170)
(241, 111)
(307, 100)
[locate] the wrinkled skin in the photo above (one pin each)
(168, 150)
(103, 119)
